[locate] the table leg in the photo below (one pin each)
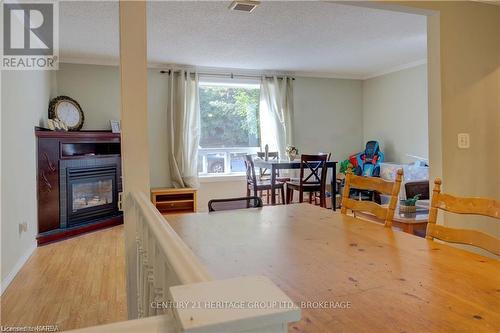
(273, 184)
(334, 189)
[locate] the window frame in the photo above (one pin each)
(227, 151)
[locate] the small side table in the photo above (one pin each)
(174, 200)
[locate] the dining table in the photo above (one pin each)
(348, 274)
(279, 164)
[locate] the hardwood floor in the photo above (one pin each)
(75, 283)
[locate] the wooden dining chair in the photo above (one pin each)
(257, 186)
(313, 181)
(216, 205)
(460, 205)
(272, 156)
(385, 214)
(317, 195)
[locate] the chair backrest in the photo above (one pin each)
(372, 184)
(417, 187)
(271, 155)
(460, 205)
(216, 205)
(328, 155)
(250, 170)
(315, 165)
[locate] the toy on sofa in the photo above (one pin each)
(367, 162)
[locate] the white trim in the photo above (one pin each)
(241, 71)
(222, 178)
(327, 75)
(90, 61)
(220, 70)
(17, 267)
(396, 69)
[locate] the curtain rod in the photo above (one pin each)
(230, 75)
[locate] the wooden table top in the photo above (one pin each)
(383, 280)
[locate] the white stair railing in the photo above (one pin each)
(169, 273)
(164, 260)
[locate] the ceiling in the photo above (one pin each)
(308, 37)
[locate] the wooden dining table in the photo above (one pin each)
(275, 165)
(346, 274)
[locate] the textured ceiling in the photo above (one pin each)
(314, 37)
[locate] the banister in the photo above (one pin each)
(182, 260)
(169, 274)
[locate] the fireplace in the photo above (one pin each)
(79, 181)
(89, 190)
(91, 194)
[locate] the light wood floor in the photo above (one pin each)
(75, 283)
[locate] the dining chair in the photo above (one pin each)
(461, 205)
(264, 173)
(216, 205)
(313, 181)
(391, 188)
(317, 195)
(256, 185)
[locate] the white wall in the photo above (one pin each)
(395, 113)
(25, 99)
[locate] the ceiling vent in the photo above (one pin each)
(244, 5)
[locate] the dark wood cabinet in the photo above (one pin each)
(58, 151)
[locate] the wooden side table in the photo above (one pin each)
(174, 200)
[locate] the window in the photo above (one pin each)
(230, 126)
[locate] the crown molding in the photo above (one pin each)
(396, 69)
(326, 75)
(90, 61)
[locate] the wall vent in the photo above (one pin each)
(244, 5)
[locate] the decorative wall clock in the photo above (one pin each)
(68, 111)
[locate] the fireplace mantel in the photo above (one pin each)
(59, 154)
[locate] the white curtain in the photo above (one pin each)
(276, 113)
(183, 110)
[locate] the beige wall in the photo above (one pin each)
(25, 98)
(329, 109)
(470, 93)
(328, 116)
(395, 113)
(97, 90)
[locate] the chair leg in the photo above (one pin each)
(283, 195)
(248, 192)
(289, 194)
(301, 196)
(267, 194)
(310, 197)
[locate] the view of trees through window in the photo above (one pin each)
(230, 127)
(229, 116)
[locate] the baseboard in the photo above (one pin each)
(17, 267)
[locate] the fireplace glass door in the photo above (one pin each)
(91, 194)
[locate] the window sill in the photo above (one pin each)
(222, 178)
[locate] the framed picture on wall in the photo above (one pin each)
(115, 126)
